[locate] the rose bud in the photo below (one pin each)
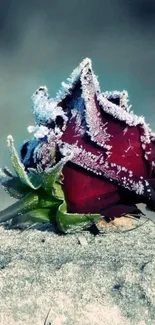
(112, 164)
(91, 145)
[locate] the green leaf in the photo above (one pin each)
(34, 177)
(25, 204)
(12, 184)
(8, 172)
(15, 188)
(34, 200)
(18, 166)
(53, 154)
(3, 176)
(68, 222)
(50, 179)
(36, 215)
(47, 201)
(57, 191)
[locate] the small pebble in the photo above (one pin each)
(82, 241)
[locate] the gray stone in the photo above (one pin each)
(47, 278)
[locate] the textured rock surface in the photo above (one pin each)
(80, 278)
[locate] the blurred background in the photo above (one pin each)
(41, 42)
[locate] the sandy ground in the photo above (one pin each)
(77, 279)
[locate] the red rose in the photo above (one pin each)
(112, 167)
(113, 150)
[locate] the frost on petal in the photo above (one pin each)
(108, 141)
(41, 131)
(119, 98)
(96, 128)
(40, 98)
(119, 175)
(31, 129)
(47, 112)
(72, 80)
(43, 155)
(138, 187)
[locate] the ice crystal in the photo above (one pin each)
(39, 131)
(74, 77)
(138, 187)
(44, 156)
(121, 97)
(46, 110)
(115, 173)
(96, 128)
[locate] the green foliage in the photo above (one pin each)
(40, 196)
(68, 222)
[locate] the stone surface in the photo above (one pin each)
(46, 278)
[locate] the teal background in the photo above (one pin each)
(41, 42)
